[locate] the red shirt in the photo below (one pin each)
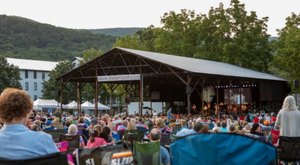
(273, 119)
(255, 120)
(98, 142)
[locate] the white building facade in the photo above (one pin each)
(33, 73)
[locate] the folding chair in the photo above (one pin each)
(55, 134)
(146, 153)
(52, 159)
(100, 155)
(142, 129)
(133, 135)
(289, 149)
(121, 133)
(73, 142)
(165, 140)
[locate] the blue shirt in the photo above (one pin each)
(164, 156)
(19, 142)
(185, 132)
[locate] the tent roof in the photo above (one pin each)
(202, 66)
(102, 107)
(120, 61)
(45, 103)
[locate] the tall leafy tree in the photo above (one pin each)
(229, 35)
(232, 35)
(90, 54)
(9, 75)
(287, 50)
(51, 88)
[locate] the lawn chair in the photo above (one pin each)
(73, 142)
(55, 134)
(52, 159)
(221, 148)
(142, 129)
(100, 155)
(165, 140)
(133, 135)
(146, 153)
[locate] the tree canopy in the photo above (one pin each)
(287, 50)
(51, 88)
(9, 75)
(229, 35)
(24, 38)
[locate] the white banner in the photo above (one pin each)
(124, 77)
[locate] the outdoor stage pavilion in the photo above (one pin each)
(195, 84)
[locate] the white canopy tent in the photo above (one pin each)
(39, 104)
(102, 107)
(72, 105)
(87, 105)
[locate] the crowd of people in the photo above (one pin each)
(19, 123)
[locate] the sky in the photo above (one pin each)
(96, 14)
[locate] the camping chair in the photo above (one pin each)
(55, 134)
(100, 155)
(52, 159)
(221, 148)
(85, 135)
(73, 142)
(133, 135)
(146, 153)
(121, 134)
(165, 140)
(142, 129)
(289, 149)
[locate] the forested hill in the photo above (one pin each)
(24, 38)
(117, 32)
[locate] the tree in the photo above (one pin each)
(229, 35)
(9, 75)
(287, 50)
(233, 36)
(51, 88)
(90, 54)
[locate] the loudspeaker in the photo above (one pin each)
(188, 90)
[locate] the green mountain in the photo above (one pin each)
(28, 39)
(117, 32)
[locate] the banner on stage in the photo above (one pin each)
(123, 77)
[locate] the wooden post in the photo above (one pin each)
(78, 88)
(96, 98)
(141, 96)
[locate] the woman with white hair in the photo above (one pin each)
(73, 130)
(288, 118)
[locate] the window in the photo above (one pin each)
(26, 86)
(35, 86)
(43, 75)
(35, 97)
(26, 73)
(34, 74)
